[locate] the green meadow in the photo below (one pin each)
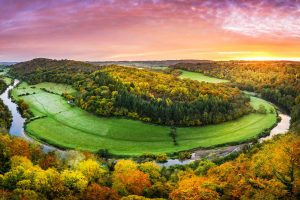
(68, 126)
(7, 80)
(201, 77)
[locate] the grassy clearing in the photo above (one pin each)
(56, 88)
(72, 127)
(7, 80)
(201, 77)
(244, 128)
(3, 76)
(159, 67)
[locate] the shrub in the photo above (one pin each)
(262, 109)
(103, 153)
(184, 155)
(161, 158)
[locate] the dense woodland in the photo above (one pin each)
(159, 98)
(5, 115)
(269, 171)
(276, 81)
(139, 94)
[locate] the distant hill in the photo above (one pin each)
(7, 63)
(151, 63)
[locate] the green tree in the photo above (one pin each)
(262, 109)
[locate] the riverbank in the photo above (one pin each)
(198, 154)
(70, 127)
(18, 122)
(282, 127)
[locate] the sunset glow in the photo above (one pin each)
(150, 29)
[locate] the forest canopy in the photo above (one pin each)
(5, 115)
(269, 171)
(140, 94)
(276, 81)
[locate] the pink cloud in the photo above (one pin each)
(263, 20)
(107, 28)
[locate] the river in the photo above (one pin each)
(18, 122)
(281, 128)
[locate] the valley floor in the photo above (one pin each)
(68, 126)
(201, 77)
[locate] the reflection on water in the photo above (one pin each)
(281, 128)
(172, 162)
(17, 120)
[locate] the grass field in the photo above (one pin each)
(6, 79)
(72, 127)
(201, 77)
(159, 67)
(3, 76)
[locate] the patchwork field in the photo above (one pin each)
(201, 77)
(68, 126)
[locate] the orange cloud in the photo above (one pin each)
(145, 29)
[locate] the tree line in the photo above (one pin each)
(276, 81)
(140, 94)
(268, 171)
(5, 115)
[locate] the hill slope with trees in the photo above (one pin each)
(268, 171)
(276, 81)
(5, 115)
(139, 94)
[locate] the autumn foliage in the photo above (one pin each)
(128, 179)
(139, 94)
(268, 171)
(98, 192)
(5, 115)
(276, 81)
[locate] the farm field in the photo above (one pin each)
(201, 77)
(68, 126)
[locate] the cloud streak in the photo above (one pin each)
(262, 19)
(134, 29)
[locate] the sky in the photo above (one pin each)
(150, 29)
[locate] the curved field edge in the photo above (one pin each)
(200, 77)
(71, 127)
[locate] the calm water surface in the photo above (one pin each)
(18, 122)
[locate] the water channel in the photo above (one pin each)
(18, 122)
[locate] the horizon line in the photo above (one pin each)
(161, 60)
